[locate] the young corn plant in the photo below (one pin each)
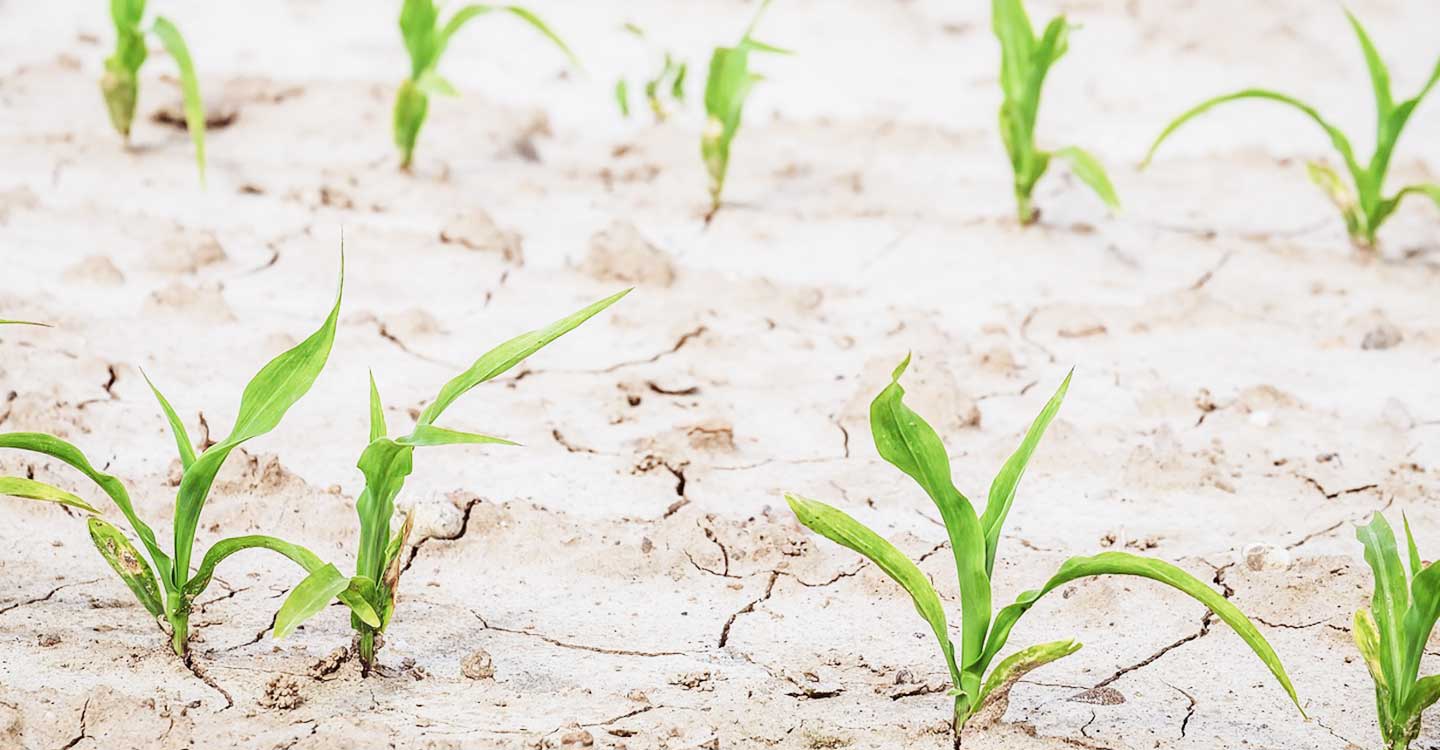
(426, 40)
(385, 463)
(166, 586)
(1362, 204)
(670, 80)
(1391, 634)
(121, 82)
(726, 88)
(1025, 59)
(906, 441)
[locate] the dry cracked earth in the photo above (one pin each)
(1247, 385)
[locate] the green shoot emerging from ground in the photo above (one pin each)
(726, 89)
(1024, 61)
(668, 81)
(905, 440)
(426, 40)
(269, 395)
(121, 82)
(23, 323)
(1392, 633)
(1362, 203)
(386, 462)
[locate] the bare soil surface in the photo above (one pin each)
(1247, 384)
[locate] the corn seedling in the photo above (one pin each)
(726, 88)
(1025, 59)
(121, 82)
(1391, 634)
(23, 323)
(670, 80)
(426, 39)
(1363, 203)
(905, 440)
(385, 463)
(273, 390)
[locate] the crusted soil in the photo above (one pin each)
(1247, 384)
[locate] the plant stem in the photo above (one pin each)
(1025, 208)
(367, 649)
(179, 632)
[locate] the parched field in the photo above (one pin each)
(1247, 385)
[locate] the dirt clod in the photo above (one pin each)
(282, 693)
(478, 665)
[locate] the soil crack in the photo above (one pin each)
(485, 624)
(46, 597)
(748, 608)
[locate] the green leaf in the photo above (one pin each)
(1121, 563)
(1367, 640)
(177, 428)
(1002, 490)
(905, 440)
(1335, 189)
(419, 28)
(269, 395)
(430, 435)
(1422, 696)
(1416, 564)
(1341, 143)
(1017, 44)
(127, 563)
(835, 525)
(1092, 173)
(224, 548)
(1421, 616)
(30, 489)
(357, 597)
(385, 464)
(677, 86)
(24, 323)
(310, 596)
(1390, 600)
(1379, 75)
(431, 82)
(411, 107)
(468, 12)
(316, 591)
(189, 87)
(1021, 663)
(622, 97)
(377, 412)
(56, 448)
(507, 355)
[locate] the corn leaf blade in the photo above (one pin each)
(189, 87)
(909, 443)
(1002, 490)
(309, 597)
(1121, 563)
(430, 435)
(183, 445)
(1091, 172)
(127, 563)
(1341, 143)
(29, 489)
(1391, 599)
(61, 450)
(1021, 663)
(839, 527)
(507, 355)
(269, 395)
(224, 548)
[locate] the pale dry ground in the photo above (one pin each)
(632, 570)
